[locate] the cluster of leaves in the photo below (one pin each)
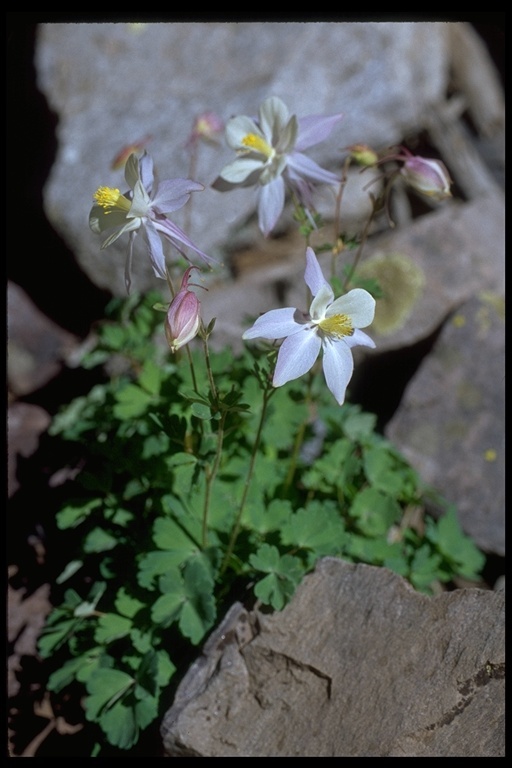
(156, 580)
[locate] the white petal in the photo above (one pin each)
(313, 275)
(358, 304)
(271, 204)
(276, 324)
(338, 367)
(141, 204)
(172, 194)
(315, 128)
(359, 339)
(237, 129)
(131, 171)
(306, 167)
(274, 117)
(241, 168)
(155, 250)
(297, 356)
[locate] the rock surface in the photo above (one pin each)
(357, 665)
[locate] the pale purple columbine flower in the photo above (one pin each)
(144, 208)
(331, 325)
(430, 177)
(183, 316)
(270, 156)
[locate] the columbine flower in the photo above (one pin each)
(331, 325)
(144, 208)
(183, 316)
(270, 156)
(430, 177)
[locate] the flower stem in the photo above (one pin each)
(299, 439)
(211, 474)
(267, 394)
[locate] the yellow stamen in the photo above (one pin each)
(337, 326)
(108, 197)
(258, 145)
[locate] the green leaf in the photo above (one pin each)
(381, 470)
(151, 377)
(188, 598)
(314, 528)
(284, 573)
(99, 540)
(358, 426)
(76, 512)
(105, 688)
(425, 568)
(154, 564)
(70, 570)
(126, 604)
(52, 637)
(375, 511)
(132, 401)
(449, 538)
(264, 518)
(111, 627)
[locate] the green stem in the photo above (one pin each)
(267, 394)
(215, 397)
(299, 439)
(360, 249)
(210, 478)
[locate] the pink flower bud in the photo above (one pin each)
(183, 316)
(430, 177)
(207, 126)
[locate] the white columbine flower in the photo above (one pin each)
(270, 156)
(144, 208)
(331, 325)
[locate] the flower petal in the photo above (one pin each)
(274, 116)
(130, 226)
(241, 168)
(338, 366)
(358, 304)
(100, 219)
(237, 129)
(176, 235)
(305, 166)
(315, 128)
(276, 324)
(297, 356)
(313, 275)
(146, 172)
(131, 171)
(155, 250)
(141, 204)
(172, 194)
(271, 204)
(359, 339)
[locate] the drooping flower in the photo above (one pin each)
(183, 316)
(270, 156)
(331, 326)
(144, 208)
(430, 177)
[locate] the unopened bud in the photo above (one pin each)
(207, 126)
(363, 154)
(430, 177)
(183, 316)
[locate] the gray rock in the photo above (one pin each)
(111, 84)
(357, 665)
(450, 424)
